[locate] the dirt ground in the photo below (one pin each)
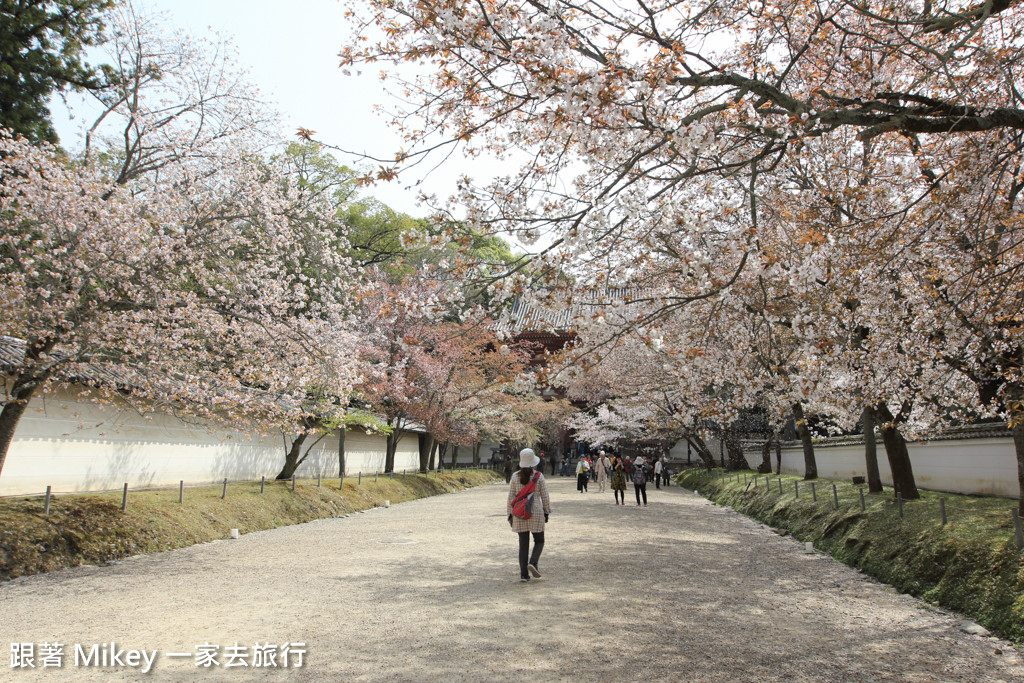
(681, 590)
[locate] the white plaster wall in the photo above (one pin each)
(678, 451)
(366, 452)
(983, 466)
(72, 444)
(466, 453)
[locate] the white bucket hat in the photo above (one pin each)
(527, 458)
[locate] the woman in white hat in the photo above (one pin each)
(539, 509)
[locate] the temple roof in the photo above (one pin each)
(559, 319)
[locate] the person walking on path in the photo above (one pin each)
(658, 468)
(640, 480)
(582, 474)
(539, 509)
(507, 468)
(601, 467)
(554, 463)
(619, 481)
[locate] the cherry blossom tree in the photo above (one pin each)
(618, 107)
(860, 162)
(474, 387)
(395, 319)
(188, 288)
(171, 98)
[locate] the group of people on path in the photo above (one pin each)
(619, 470)
(529, 506)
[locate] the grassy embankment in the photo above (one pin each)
(970, 565)
(92, 529)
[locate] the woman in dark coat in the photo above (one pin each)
(619, 480)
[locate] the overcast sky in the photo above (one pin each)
(290, 49)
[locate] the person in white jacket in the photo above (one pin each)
(602, 466)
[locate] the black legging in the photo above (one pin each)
(524, 550)
(640, 488)
(617, 492)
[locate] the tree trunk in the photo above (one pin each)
(778, 453)
(341, 451)
(291, 458)
(810, 465)
(476, 457)
(766, 457)
(871, 451)
(1018, 446)
(426, 445)
(455, 456)
(442, 450)
(703, 452)
(389, 453)
(11, 414)
(1015, 403)
(734, 446)
(433, 452)
(24, 387)
(896, 451)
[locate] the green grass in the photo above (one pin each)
(92, 529)
(970, 565)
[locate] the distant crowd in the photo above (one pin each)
(607, 469)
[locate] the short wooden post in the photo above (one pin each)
(814, 492)
(360, 482)
(375, 476)
(780, 486)
(899, 503)
(863, 507)
(318, 480)
(796, 488)
(224, 493)
(755, 482)
(1018, 533)
(835, 496)
(293, 482)
(391, 474)
(46, 503)
(124, 498)
(181, 492)
(263, 483)
(942, 509)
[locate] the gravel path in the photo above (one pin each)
(682, 590)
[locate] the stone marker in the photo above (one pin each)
(974, 629)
